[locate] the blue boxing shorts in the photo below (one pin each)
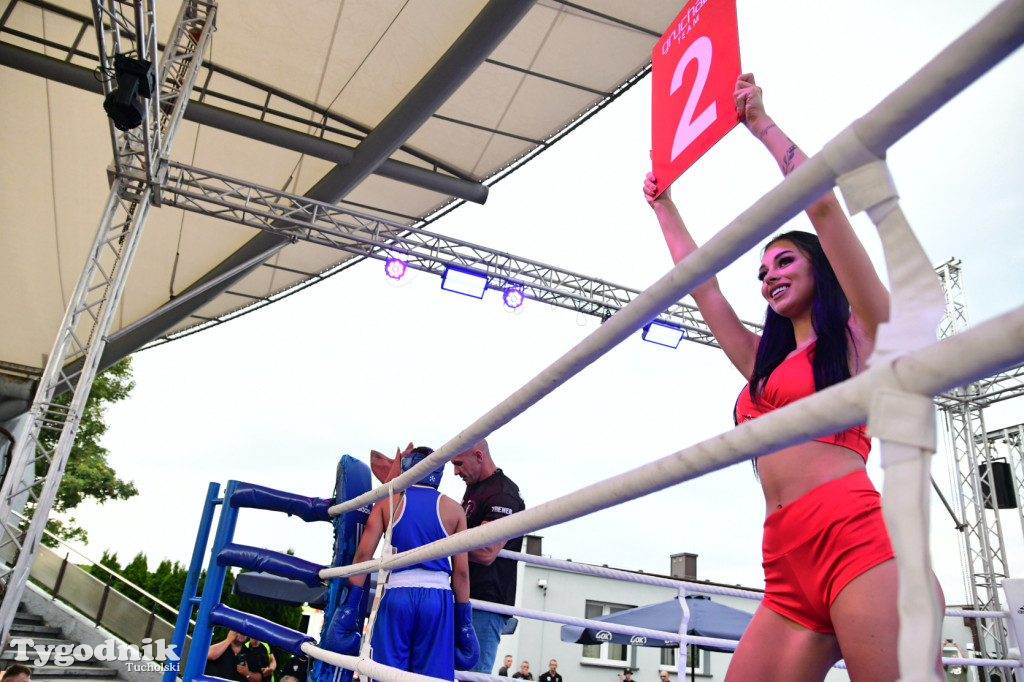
(415, 631)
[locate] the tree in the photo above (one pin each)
(87, 475)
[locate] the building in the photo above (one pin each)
(562, 591)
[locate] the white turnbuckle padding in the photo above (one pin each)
(904, 421)
(906, 424)
(1013, 588)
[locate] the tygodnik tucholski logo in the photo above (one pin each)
(152, 656)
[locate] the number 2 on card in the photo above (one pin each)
(689, 128)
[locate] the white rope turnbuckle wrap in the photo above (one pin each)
(365, 666)
(684, 625)
(1014, 590)
(903, 420)
(383, 575)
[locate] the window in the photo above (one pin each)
(695, 658)
(607, 652)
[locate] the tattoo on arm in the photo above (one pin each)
(787, 159)
(764, 133)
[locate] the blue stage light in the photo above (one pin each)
(663, 334)
(465, 282)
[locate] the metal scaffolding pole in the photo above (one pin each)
(303, 219)
(138, 156)
(973, 474)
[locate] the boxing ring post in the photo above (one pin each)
(684, 623)
(903, 420)
(195, 662)
(1013, 588)
(195, 567)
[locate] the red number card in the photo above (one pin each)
(694, 69)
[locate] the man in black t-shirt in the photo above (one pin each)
(227, 659)
(490, 495)
(524, 672)
(297, 666)
(552, 675)
(259, 659)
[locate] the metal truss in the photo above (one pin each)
(36, 468)
(303, 219)
(972, 446)
(955, 319)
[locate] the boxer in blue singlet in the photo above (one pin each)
(423, 622)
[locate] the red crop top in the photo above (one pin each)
(794, 379)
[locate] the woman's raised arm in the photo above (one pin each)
(738, 342)
(868, 297)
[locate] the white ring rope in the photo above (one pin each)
(699, 588)
(383, 577)
(952, 70)
(629, 576)
(385, 673)
(674, 636)
(365, 666)
(506, 610)
(968, 613)
(987, 348)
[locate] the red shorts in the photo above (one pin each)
(814, 546)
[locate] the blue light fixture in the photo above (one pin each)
(465, 282)
(663, 334)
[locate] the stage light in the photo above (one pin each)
(663, 334)
(465, 282)
(135, 80)
(513, 296)
(394, 268)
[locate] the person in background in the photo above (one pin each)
(663, 675)
(296, 667)
(17, 673)
(260, 658)
(227, 659)
(552, 674)
(503, 670)
(490, 495)
(524, 672)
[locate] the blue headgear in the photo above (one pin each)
(432, 479)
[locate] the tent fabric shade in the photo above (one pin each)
(707, 619)
(324, 76)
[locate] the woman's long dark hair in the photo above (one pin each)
(830, 318)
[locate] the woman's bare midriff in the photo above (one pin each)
(792, 472)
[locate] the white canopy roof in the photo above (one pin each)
(322, 75)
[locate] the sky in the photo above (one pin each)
(354, 363)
